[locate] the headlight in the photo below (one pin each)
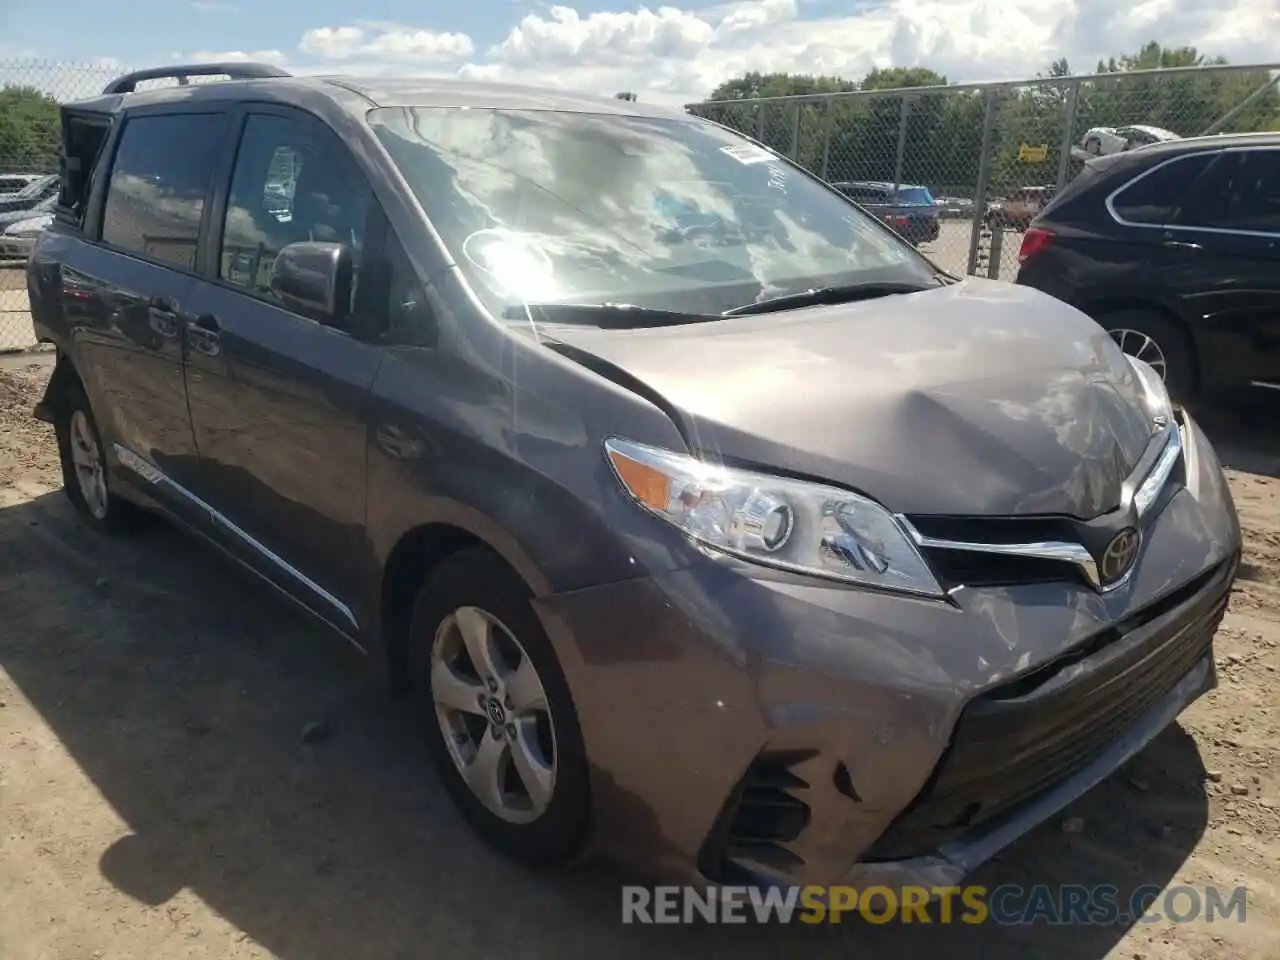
(792, 525)
(1156, 401)
(1155, 395)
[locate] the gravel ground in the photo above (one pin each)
(160, 800)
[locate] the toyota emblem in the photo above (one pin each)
(1118, 558)
(497, 715)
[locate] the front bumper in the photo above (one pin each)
(746, 727)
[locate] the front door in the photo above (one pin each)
(277, 399)
(1225, 247)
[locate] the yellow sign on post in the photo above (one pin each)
(1029, 154)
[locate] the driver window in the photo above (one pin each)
(289, 186)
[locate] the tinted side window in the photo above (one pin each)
(1240, 192)
(158, 181)
(292, 184)
(1155, 198)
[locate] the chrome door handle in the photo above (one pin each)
(203, 334)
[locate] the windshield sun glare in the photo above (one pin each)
(668, 213)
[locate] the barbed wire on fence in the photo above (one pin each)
(986, 152)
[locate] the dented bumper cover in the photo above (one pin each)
(752, 727)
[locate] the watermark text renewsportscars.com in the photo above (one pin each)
(1008, 905)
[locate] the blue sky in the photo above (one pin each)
(671, 52)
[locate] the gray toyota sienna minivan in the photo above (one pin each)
(709, 523)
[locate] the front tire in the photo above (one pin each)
(496, 711)
(85, 477)
(1158, 341)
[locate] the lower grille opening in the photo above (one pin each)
(764, 812)
(1013, 743)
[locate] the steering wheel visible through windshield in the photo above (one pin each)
(675, 214)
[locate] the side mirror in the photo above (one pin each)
(314, 279)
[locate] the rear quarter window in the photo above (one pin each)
(1093, 174)
(1154, 197)
(83, 139)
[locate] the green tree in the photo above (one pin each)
(784, 124)
(867, 146)
(29, 130)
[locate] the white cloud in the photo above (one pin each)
(754, 14)
(674, 55)
(212, 6)
(384, 40)
(679, 55)
(567, 37)
(274, 57)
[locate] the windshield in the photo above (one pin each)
(674, 214)
(915, 195)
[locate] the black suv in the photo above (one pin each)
(1175, 249)
(613, 437)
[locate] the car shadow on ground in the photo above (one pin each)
(1242, 428)
(180, 687)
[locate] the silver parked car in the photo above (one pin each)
(20, 228)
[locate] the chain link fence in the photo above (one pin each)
(989, 154)
(30, 92)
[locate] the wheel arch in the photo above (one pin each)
(65, 377)
(419, 550)
(1101, 307)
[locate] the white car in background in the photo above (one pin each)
(18, 233)
(1101, 141)
(12, 184)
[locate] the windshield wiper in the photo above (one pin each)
(607, 316)
(821, 296)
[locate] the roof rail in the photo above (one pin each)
(236, 71)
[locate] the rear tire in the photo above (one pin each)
(491, 697)
(1160, 342)
(85, 478)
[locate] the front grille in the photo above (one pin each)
(764, 812)
(1021, 738)
(975, 568)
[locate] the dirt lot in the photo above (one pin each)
(158, 801)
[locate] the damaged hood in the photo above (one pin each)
(976, 398)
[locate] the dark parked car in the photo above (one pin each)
(643, 508)
(1175, 249)
(954, 208)
(909, 209)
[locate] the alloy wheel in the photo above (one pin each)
(494, 715)
(91, 474)
(1138, 344)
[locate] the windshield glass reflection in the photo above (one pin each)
(676, 214)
